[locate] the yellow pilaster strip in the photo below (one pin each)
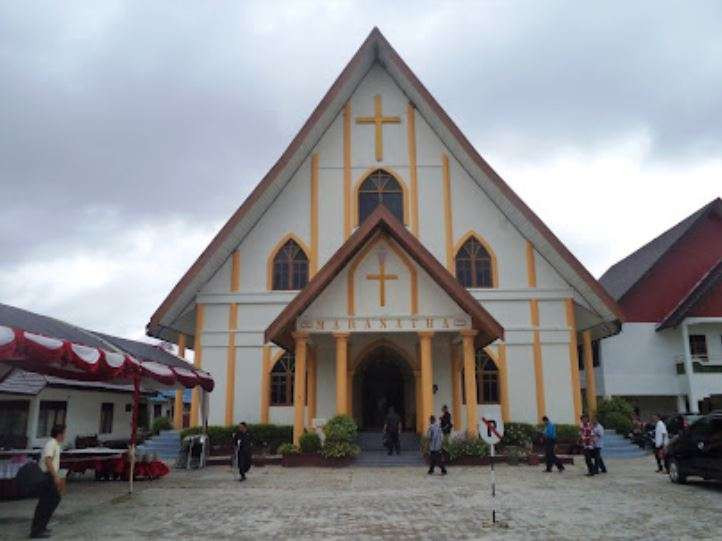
(314, 215)
(312, 376)
(536, 339)
(411, 141)
(347, 171)
(574, 360)
(472, 416)
(456, 385)
(349, 393)
(419, 405)
(427, 377)
(231, 363)
(265, 382)
(530, 264)
(178, 405)
(341, 373)
(299, 385)
(591, 393)
(197, 362)
(235, 271)
(503, 382)
(448, 225)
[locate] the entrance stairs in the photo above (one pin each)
(166, 446)
(616, 446)
(374, 454)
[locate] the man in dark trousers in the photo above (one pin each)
(436, 442)
(242, 445)
(446, 425)
(550, 441)
(52, 485)
(392, 427)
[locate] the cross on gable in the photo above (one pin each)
(382, 277)
(378, 120)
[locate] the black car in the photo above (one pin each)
(679, 422)
(697, 451)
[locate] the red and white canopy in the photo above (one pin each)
(66, 359)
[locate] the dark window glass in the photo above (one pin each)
(106, 418)
(487, 380)
(380, 188)
(13, 417)
(290, 267)
(51, 413)
(282, 381)
(596, 354)
(698, 346)
(473, 265)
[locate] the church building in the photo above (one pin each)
(382, 262)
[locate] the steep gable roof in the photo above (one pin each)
(623, 275)
(279, 331)
(377, 49)
(695, 295)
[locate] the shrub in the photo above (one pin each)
(610, 411)
(519, 434)
(309, 442)
(619, 422)
(341, 432)
(286, 449)
(339, 449)
(459, 445)
(567, 433)
(263, 436)
(161, 423)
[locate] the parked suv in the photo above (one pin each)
(698, 450)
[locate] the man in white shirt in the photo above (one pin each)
(52, 486)
(598, 433)
(661, 438)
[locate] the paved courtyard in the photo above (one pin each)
(629, 502)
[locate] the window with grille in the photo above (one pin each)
(51, 413)
(473, 265)
(282, 376)
(487, 380)
(290, 267)
(698, 346)
(380, 188)
(106, 418)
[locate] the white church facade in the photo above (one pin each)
(382, 262)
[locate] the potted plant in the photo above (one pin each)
(339, 447)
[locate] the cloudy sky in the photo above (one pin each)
(130, 131)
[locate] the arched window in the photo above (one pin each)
(290, 267)
(282, 381)
(487, 380)
(380, 188)
(473, 265)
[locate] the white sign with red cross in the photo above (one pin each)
(491, 428)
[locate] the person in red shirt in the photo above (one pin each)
(586, 433)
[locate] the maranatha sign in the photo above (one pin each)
(384, 323)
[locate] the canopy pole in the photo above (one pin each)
(134, 430)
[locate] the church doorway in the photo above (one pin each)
(385, 380)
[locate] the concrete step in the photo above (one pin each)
(373, 441)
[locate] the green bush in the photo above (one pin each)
(619, 422)
(341, 432)
(519, 434)
(263, 436)
(611, 410)
(286, 449)
(459, 445)
(309, 442)
(161, 423)
(339, 449)
(565, 433)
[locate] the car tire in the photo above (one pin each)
(676, 474)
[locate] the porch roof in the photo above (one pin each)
(381, 220)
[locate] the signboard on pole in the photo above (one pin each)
(491, 428)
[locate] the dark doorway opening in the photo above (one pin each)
(382, 385)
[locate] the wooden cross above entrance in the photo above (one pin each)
(378, 120)
(382, 277)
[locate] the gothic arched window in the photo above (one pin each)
(473, 265)
(290, 267)
(380, 188)
(487, 380)
(282, 381)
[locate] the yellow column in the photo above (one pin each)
(349, 393)
(231, 362)
(178, 406)
(589, 373)
(472, 417)
(299, 385)
(503, 382)
(311, 387)
(341, 372)
(427, 377)
(455, 386)
(197, 362)
(265, 382)
(574, 361)
(419, 407)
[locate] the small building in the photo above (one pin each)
(668, 356)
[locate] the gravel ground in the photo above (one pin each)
(631, 501)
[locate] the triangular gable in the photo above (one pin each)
(377, 48)
(279, 331)
(694, 298)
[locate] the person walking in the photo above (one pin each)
(550, 441)
(587, 436)
(51, 487)
(598, 433)
(661, 439)
(392, 427)
(445, 420)
(242, 445)
(436, 440)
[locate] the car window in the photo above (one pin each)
(700, 427)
